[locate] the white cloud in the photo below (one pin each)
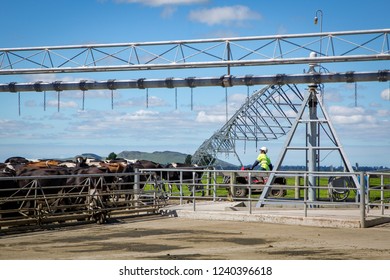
(49, 78)
(222, 34)
(353, 119)
(152, 101)
(282, 30)
(14, 130)
(169, 6)
(168, 12)
(224, 15)
(383, 113)
(63, 104)
(204, 117)
(237, 98)
(158, 3)
(30, 103)
(126, 103)
(385, 94)
(351, 115)
(140, 115)
(346, 111)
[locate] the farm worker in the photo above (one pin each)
(263, 160)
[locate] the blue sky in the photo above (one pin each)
(364, 130)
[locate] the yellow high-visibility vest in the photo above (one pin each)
(264, 161)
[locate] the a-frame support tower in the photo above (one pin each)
(315, 120)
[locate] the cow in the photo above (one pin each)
(43, 163)
(88, 189)
(16, 160)
(7, 189)
(121, 184)
(173, 176)
(45, 191)
(20, 162)
(147, 177)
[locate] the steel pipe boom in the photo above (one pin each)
(224, 81)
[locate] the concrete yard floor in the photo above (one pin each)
(156, 237)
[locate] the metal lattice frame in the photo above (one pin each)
(266, 115)
(347, 46)
(313, 115)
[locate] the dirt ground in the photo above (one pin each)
(170, 238)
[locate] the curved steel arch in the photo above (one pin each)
(266, 115)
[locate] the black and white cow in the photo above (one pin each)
(177, 174)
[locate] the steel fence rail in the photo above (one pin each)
(338, 190)
(38, 200)
(35, 204)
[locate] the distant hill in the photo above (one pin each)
(160, 157)
(167, 157)
(91, 155)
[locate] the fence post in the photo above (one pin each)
(382, 194)
(250, 192)
(305, 194)
(362, 201)
(297, 181)
(232, 184)
(214, 186)
(181, 187)
(208, 182)
(136, 186)
(193, 190)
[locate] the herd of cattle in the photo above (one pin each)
(63, 180)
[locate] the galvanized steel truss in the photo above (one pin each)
(362, 45)
(266, 115)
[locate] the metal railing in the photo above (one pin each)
(38, 200)
(380, 192)
(333, 190)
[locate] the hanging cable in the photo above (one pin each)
(112, 99)
(19, 109)
(192, 99)
(111, 86)
(58, 88)
(58, 101)
(355, 94)
(44, 101)
(83, 106)
(175, 98)
(147, 98)
(82, 86)
(191, 84)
